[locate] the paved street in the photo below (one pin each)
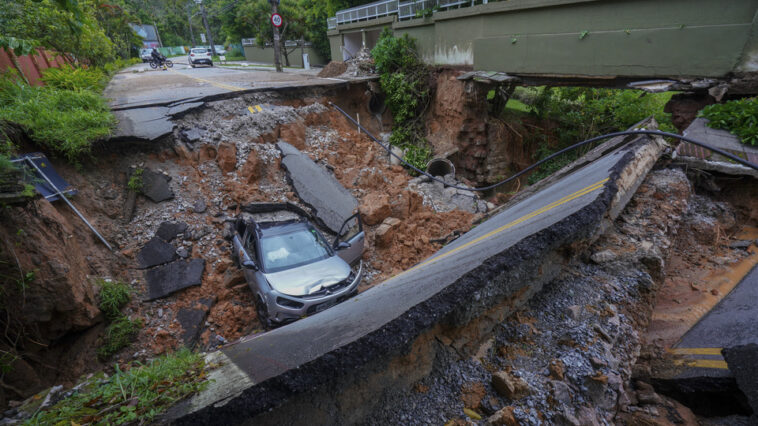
(141, 85)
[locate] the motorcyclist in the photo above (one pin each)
(160, 59)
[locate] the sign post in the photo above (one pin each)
(276, 22)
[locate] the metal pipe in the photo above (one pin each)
(63, 196)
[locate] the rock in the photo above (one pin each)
(206, 153)
(155, 186)
(510, 387)
(252, 169)
(293, 133)
(199, 206)
(182, 252)
(190, 135)
(227, 157)
(587, 416)
(233, 277)
(167, 231)
(646, 394)
(375, 208)
(384, 233)
(472, 395)
(556, 369)
(573, 312)
(156, 252)
(743, 244)
(191, 320)
(503, 417)
(177, 275)
(704, 229)
(163, 341)
(603, 257)
(561, 392)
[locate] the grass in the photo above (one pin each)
(136, 395)
(64, 121)
(229, 58)
(135, 180)
(113, 296)
(517, 105)
(118, 335)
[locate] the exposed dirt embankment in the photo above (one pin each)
(50, 260)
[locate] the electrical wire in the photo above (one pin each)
(550, 157)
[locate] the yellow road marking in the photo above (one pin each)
(703, 363)
(258, 107)
(554, 204)
(695, 351)
(212, 83)
(252, 111)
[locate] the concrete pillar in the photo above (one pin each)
(363, 38)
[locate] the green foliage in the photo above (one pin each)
(118, 335)
(739, 117)
(64, 121)
(135, 180)
(138, 394)
(113, 296)
(18, 46)
(417, 156)
(69, 78)
(405, 81)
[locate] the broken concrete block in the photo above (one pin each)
(509, 386)
(155, 186)
(603, 257)
(177, 275)
(227, 157)
(192, 319)
(156, 252)
(167, 231)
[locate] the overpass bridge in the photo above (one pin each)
(601, 41)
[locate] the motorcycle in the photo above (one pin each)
(155, 64)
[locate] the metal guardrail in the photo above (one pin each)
(404, 10)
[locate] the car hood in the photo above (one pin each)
(308, 279)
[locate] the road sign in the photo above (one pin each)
(276, 19)
(202, 37)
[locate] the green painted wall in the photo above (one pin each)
(649, 38)
(266, 56)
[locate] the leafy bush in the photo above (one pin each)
(739, 117)
(65, 121)
(405, 81)
(113, 296)
(139, 393)
(118, 335)
(135, 180)
(69, 78)
(417, 156)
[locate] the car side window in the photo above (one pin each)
(248, 241)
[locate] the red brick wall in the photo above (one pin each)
(32, 65)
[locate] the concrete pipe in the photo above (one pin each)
(376, 104)
(440, 167)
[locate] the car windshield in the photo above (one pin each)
(198, 50)
(293, 249)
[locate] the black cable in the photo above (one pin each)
(550, 157)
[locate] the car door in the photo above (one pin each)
(352, 234)
(248, 253)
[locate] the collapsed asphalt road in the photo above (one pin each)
(504, 260)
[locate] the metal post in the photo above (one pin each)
(277, 47)
(63, 196)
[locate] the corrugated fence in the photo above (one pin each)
(32, 65)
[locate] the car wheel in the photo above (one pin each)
(211, 63)
(262, 311)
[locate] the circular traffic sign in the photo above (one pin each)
(276, 19)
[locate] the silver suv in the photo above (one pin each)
(292, 270)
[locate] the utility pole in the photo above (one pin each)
(189, 20)
(277, 47)
(160, 43)
(207, 28)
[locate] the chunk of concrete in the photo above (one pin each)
(156, 252)
(510, 387)
(317, 188)
(155, 186)
(167, 231)
(743, 363)
(143, 123)
(192, 319)
(177, 275)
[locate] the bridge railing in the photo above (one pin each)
(404, 10)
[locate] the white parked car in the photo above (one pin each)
(199, 55)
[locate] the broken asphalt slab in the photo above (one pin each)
(319, 360)
(192, 319)
(150, 123)
(743, 363)
(317, 188)
(156, 252)
(177, 275)
(155, 186)
(717, 138)
(167, 231)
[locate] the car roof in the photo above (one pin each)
(268, 229)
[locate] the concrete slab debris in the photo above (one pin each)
(192, 319)
(156, 252)
(166, 279)
(722, 139)
(191, 135)
(155, 186)
(743, 363)
(167, 231)
(176, 110)
(143, 123)
(332, 203)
